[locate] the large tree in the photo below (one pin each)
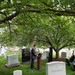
(51, 21)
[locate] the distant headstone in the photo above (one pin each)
(12, 60)
(55, 68)
(25, 55)
(63, 55)
(45, 55)
(17, 72)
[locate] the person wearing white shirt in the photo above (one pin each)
(71, 59)
(3, 51)
(68, 54)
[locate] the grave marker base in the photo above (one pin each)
(13, 65)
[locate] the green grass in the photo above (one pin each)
(26, 68)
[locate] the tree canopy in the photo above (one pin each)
(49, 22)
(12, 8)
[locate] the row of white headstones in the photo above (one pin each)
(52, 68)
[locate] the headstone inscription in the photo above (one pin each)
(12, 60)
(25, 55)
(55, 68)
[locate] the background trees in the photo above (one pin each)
(50, 21)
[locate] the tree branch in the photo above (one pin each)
(57, 12)
(47, 4)
(62, 12)
(66, 44)
(49, 42)
(10, 17)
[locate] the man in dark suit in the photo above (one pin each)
(33, 56)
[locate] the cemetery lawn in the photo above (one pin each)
(26, 68)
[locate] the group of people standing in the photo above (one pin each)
(3, 50)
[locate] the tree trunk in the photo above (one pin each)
(57, 54)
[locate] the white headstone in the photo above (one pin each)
(63, 55)
(12, 60)
(55, 68)
(17, 72)
(45, 55)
